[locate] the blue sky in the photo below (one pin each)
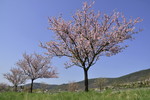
(24, 23)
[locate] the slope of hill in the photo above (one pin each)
(133, 77)
(136, 76)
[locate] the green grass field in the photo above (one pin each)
(135, 94)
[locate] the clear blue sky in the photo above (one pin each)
(24, 23)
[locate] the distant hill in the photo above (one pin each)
(133, 77)
(136, 76)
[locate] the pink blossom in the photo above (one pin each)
(90, 35)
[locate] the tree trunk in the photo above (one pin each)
(100, 87)
(15, 88)
(31, 85)
(86, 80)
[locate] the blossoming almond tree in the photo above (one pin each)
(16, 77)
(88, 36)
(36, 66)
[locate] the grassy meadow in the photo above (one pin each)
(131, 94)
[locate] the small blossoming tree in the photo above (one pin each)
(88, 36)
(36, 66)
(16, 77)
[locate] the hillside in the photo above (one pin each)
(133, 77)
(136, 76)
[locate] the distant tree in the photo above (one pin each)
(4, 87)
(26, 89)
(100, 82)
(89, 36)
(16, 77)
(43, 87)
(36, 66)
(147, 82)
(72, 86)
